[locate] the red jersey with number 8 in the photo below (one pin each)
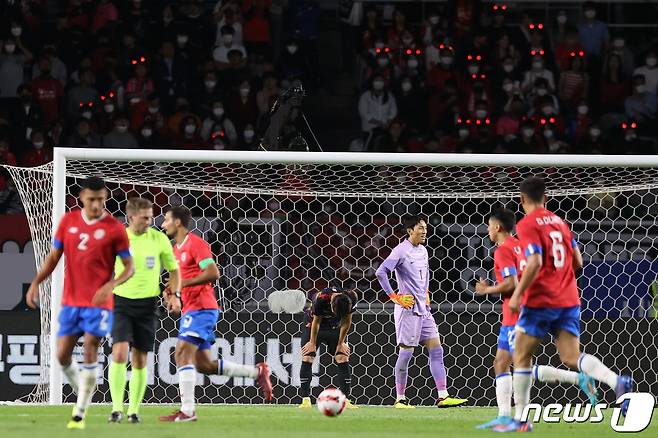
(543, 232)
(90, 250)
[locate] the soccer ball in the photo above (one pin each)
(331, 402)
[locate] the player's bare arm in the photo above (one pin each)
(482, 287)
(577, 260)
(47, 268)
(174, 284)
(529, 274)
(103, 294)
(345, 325)
(209, 275)
(310, 346)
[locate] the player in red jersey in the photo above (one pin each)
(90, 239)
(199, 316)
(548, 300)
(508, 265)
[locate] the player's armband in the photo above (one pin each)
(574, 244)
(509, 271)
(57, 244)
(533, 248)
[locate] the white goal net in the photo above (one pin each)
(300, 220)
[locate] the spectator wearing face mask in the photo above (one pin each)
(219, 118)
(292, 62)
(38, 153)
(442, 72)
(614, 87)
(148, 137)
(209, 91)
(592, 142)
(528, 142)
(189, 137)
(411, 66)
(248, 140)
(580, 123)
(504, 96)
(554, 144)
(242, 106)
(120, 137)
(632, 144)
(382, 66)
(220, 54)
(377, 108)
(650, 71)
(560, 29)
(412, 105)
(641, 105)
(13, 59)
(549, 114)
(138, 87)
(228, 13)
(539, 95)
(538, 71)
(170, 74)
(593, 33)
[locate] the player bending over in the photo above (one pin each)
(414, 323)
(547, 296)
(135, 307)
(328, 322)
(90, 239)
(508, 260)
(196, 333)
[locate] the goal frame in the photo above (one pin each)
(62, 155)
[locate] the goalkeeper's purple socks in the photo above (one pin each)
(438, 370)
(402, 371)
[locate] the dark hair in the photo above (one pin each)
(341, 305)
(181, 213)
(534, 188)
(410, 222)
(94, 183)
(226, 30)
(505, 217)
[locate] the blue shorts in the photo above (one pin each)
(198, 327)
(506, 338)
(74, 321)
(538, 321)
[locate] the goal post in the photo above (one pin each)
(296, 220)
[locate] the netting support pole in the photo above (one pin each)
(57, 280)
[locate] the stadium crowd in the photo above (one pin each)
(488, 77)
(457, 76)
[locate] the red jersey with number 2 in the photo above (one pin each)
(90, 249)
(543, 232)
(193, 254)
(506, 264)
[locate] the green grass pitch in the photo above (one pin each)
(283, 421)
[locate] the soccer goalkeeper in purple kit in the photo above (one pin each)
(414, 323)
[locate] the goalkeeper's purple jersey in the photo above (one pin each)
(411, 266)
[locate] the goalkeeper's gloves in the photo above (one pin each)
(406, 301)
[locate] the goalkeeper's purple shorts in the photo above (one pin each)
(411, 329)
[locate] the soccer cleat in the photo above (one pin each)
(178, 417)
(403, 404)
(134, 419)
(588, 385)
(624, 385)
(115, 417)
(513, 426)
(450, 402)
(498, 421)
(306, 403)
(350, 405)
(76, 423)
(264, 381)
